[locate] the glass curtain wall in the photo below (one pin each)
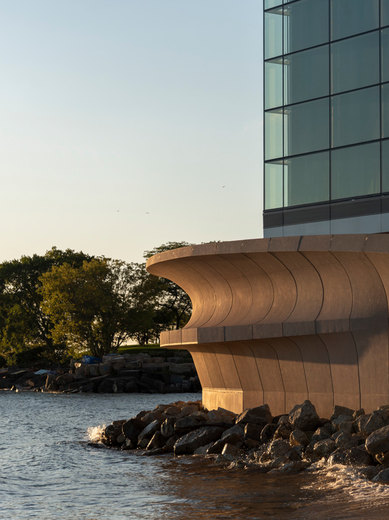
(326, 98)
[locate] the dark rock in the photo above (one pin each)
(337, 457)
(203, 450)
(358, 456)
(112, 432)
(358, 413)
(376, 421)
(169, 444)
(156, 441)
(304, 416)
(172, 411)
(188, 410)
(215, 448)
(341, 410)
(321, 433)
(167, 427)
(360, 422)
(187, 423)
(106, 386)
(233, 435)
(220, 417)
(382, 476)
(193, 440)
(298, 438)
(382, 458)
(343, 423)
(148, 431)
(278, 448)
(252, 444)
(260, 415)
(267, 432)
(231, 452)
(324, 448)
(346, 440)
(252, 431)
(378, 441)
(283, 431)
(132, 428)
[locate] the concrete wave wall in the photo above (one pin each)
(281, 320)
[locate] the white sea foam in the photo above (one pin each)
(350, 481)
(95, 433)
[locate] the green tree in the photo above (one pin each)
(159, 303)
(90, 306)
(23, 323)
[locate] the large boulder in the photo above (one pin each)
(260, 415)
(324, 448)
(220, 417)
(149, 430)
(193, 440)
(132, 428)
(167, 427)
(233, 435)
(341, 410)
(187, 423)
(378, 441)
(304, 417)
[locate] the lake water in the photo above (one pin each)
(48, 471)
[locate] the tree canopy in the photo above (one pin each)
(68, 303)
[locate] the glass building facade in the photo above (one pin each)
(326, 116)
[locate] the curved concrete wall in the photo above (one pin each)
(285, 319)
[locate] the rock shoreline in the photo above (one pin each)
(127, 373)
(287, 443)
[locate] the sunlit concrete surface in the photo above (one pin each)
(281, 320)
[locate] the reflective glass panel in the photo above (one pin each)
(306, 179)
(307, 127)
(355, 171)
(273, 134)
(273, 33)
(355, 62)
(305, 24)
(353, 17)
(385, 54)
(306, 75)
(385, 110)
(356, 117)
(385, 166)
(273, 185)
(384, 12)
(272, 3)
(273, 83)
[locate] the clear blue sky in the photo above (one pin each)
(125, 124)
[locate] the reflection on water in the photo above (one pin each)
(48, 471)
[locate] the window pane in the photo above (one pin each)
(385, 110)
(385, 54)
(307, 179)
(273, 185)
(355, 62)
(273, 134)
(305, 24)
(306, 75)
(355, 117)
(272, 3)
(385, 165)
(355, 171)
(353, 17)
(384, 12)
(273, 33)
(273, 83)
(307, 127)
